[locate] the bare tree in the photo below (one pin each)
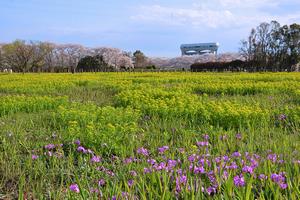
(18, 55)
(50, 59)
(263, 34)
(40, 51)
(60, 57)
(247, 46)
(272, 47)
(74, 53)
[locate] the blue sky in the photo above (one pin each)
(156, 27)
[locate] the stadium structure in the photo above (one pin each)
(199, 48)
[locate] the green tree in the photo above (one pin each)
(272, 47)
(294, 44)
(92, 63)
(140, 60)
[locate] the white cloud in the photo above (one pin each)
(178, 16)
(216, 13)
(239, 3)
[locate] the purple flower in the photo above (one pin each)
(257, 157)
(130, 182)
(275, 177)
(199, 170)
(183, 179)
(133, 173)
(262, 177)
(202, 143)
(243, 162)
(171, 163)
(94, 190)
(191, 167)
(143, 151)
(239, 181)
(296, 162)
(226, 158)
(77, 142)
(283, 185)
(236, 154)
(205, 161)
(272, 157)
(81, 149)
(232, 165)
(34, 157)
(248, 169)
(282, 117)
(178, 161)
(278, 178)
(147, 170)
(211, 190)
(218, 159)
(280, 161)
(162, 149)
(125, 195)
(50, 146)
(110, 173)
(160, 166)
(107, 171)
(179, 171)
(205, 137)
(192, 158)
(95, 159)
(238, 136)
(247, 154)
(151, 161)
(127, 160)
(101, 182)
(74, 188)
(225, 175)
(181, 150)
(212, 177)
(254, 163)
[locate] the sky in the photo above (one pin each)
(155, 27)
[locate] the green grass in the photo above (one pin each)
(114, 114)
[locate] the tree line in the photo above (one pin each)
(269, 47)
(272, 47)
(235, 65)
(36, 56)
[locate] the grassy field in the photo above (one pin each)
(150, 136)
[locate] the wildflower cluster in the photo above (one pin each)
(189, 172)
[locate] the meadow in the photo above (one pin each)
(176, 135)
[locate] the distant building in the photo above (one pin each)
(199, 48)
